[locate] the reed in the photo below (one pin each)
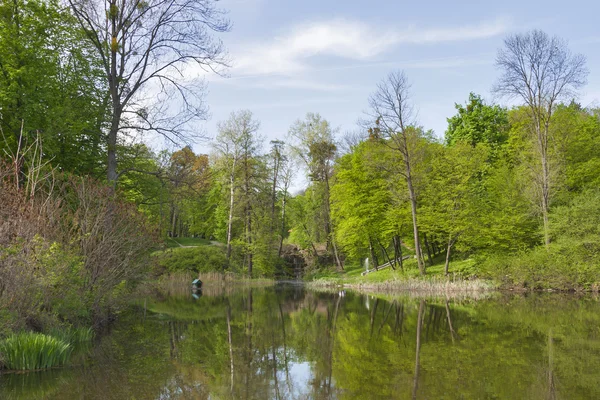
(29, 351)
(73, 335)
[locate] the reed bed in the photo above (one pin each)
(28, 351)
(415, 287)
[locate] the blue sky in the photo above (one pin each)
(293, 57)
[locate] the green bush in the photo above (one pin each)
(32, 351)
(196, 259)
(571, 262)
(566, 265)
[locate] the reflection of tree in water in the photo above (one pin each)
(288, 343)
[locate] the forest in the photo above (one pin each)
(87, 207)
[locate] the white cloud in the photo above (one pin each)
(355, 40)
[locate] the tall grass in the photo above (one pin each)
(32, 351)
(73, 335)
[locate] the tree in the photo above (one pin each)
(236, 145)
(187, 176)
(361, 198)
(315, 146)
(451, 205)
(49, 85)
(541, 71)
(477, 122)
(393, 117)
(145, 46)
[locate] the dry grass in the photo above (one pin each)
(433, 287)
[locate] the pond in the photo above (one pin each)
(287, 342)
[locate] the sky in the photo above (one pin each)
(293, 57)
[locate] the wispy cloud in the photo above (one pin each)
(291, 52)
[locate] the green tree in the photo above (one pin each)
(451, 202)
(540, 70)
(477, 122)
(49, 85)
(393, 118)
(314, 143)
(361, 199)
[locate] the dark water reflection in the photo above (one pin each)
(286, 342)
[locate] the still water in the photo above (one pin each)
(287, 342)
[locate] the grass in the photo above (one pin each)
(183, 241)
(73, 335)
(460, 279)
(30, 351)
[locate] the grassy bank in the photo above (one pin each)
(460, 279)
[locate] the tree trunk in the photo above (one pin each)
(374, 259)
(249, 239)
(113, 86)
(274, 191)
(387, 257)
(230, 219)
(447, 264)
(452, 332)
(282, 232)
(418, 349)
(413, 210)
(398, 251)
(173, 221)
(330, 233)
(229, 341)
(543, 144)
(428, 250)
(451, 242)
(112, 152)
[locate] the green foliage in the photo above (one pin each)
(49, 84)
(33, 351)
(572, 261)
(477, 122)
(197, 259)
(362, 200)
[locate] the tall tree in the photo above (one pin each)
(49, 84)
(393, 117)
(236, 145)
(146, 46)
(540, 70)
(361, 199)
(315, 145)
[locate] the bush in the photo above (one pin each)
(571, 262)
(196, 259)
(69, 251)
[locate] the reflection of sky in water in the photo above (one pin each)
(300, 376)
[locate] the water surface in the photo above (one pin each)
(286, 342)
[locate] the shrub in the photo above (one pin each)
(69, 251)
(196, 259)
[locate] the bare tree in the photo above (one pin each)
(148, 50)
(541, 71)
(393, 117)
